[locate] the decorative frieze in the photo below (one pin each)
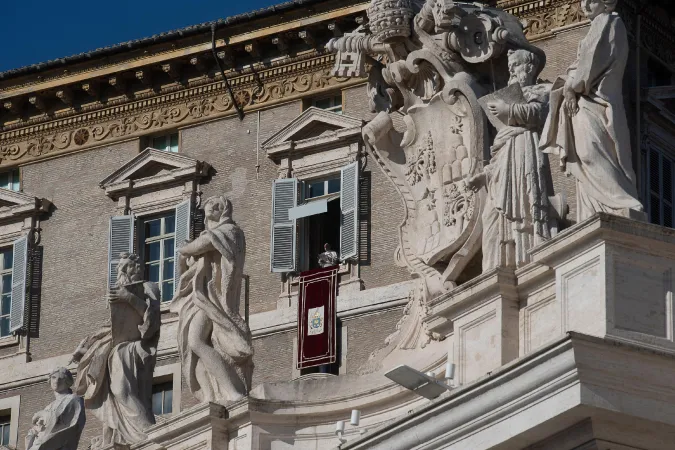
(181, 108)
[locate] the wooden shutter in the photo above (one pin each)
(183, 224)
(349, 202)
(282, 251)
(19, 270)
(121, 240)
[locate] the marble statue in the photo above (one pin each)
(115, 365)
(515, 216)
(60, 424)
(214, 341)
(430, 61)
(587, 125)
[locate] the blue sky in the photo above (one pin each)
(34, 31)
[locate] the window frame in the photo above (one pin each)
(333, 97)
(15, 179)
(150, 141)
(3, 272)
(142, 241)
(165, 383)
(172, 372)
(10, 406)
(657, 140)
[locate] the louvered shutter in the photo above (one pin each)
(349, 201)
(19, 270)
(121, 240)
(183, 222)
(282, 252)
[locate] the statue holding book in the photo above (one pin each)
(516, 213)
(115, 365)
(587, 127)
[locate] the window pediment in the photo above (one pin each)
(152, 170)
(314, 128)
(14, 205)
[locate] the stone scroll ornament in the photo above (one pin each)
(115, 365)
(58, 426)
(214, 341)
(429, 62)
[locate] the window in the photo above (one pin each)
(659, 187)
(167, 142)
(6, 259)
(332, 103)
(162, 398)
(158, 252)
(10, 180)
(324, 212)
(5, 422)
(658, 74)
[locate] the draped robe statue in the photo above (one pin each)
(115, 368)
(587, 125)
(515, 217)
(60, 424)
(214, 341)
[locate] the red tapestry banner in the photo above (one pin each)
(317, 316)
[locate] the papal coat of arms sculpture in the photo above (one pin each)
(439, 73)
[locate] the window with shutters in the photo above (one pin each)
(310, 213)
(332, 103)
(6, 283)
(158, 239)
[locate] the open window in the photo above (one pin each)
(307, 214)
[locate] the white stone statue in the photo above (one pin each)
(115, 368)
(587, 124)
(60, 424)
(214, 341)
(515, 216)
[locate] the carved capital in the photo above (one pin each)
(308, 37)
(118, 83)
(173, 70)
(281, 42)
(91, 88)
(14, 105)
(252, 49)
(198, 63)
(145, 77)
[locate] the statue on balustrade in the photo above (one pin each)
(516, 214)
(214, 341)
(114, 373)
(60, 424)
(587, 125)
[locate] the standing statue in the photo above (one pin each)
(115, 368)
(214, 341)
(587, 125)
(60, 424)
(515, 216)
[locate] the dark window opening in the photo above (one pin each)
(162, 398)
(658, 74)
(5, 423)
(322, 229)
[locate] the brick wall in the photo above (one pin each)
(365, 334)
(273, 358)
(75, 241)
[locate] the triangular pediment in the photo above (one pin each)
(313, 123)
(153, 169)
(14, 204)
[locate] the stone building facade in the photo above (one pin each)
(145, 129)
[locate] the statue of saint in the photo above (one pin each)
(214, 341)
(515, 217)
(60, 424)
(115, 368)
(587, 125)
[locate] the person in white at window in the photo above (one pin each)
(328, 258)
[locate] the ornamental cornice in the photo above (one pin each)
(179, 109)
